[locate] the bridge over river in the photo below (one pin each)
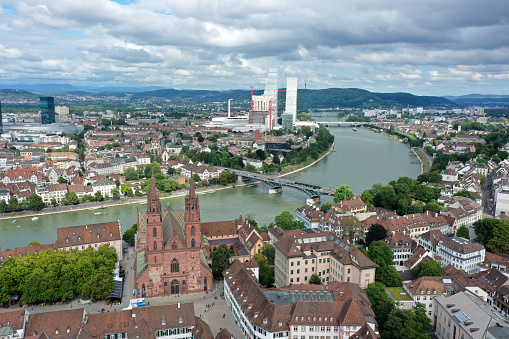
(338, 123)
(276, 185)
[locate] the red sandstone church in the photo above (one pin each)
(169, 250)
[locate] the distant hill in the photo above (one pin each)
(46, 88)
(480, 99)
(307, 99)
(14, 94)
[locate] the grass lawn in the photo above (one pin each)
(395, 291)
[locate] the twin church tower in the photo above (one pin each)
(169, 251)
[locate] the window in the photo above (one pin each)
(291, 264)
(193, 243)
(193, 231)
(155, 245)
(174, 265)
(174, 246)
(154, 232)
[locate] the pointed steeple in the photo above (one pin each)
(192, 206)
(153, 203)
(192, 192)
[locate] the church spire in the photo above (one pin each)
(153, 203)
(192, 206)
(192, 192)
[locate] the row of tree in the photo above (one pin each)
(493, 234)
(58, 275)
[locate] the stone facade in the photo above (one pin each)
(170, 258)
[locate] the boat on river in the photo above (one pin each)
(35, 218)
(13, 220)
(354, 129)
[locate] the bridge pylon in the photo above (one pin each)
(313, 200)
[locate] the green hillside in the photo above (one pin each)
(14, 94)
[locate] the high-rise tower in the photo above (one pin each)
(1, 123)
(47, 110)
(290, 114)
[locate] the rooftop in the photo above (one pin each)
(399, 294)
(288, 297)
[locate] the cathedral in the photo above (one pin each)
(170, 259)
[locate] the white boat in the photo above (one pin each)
(35, 218)
(97, 213)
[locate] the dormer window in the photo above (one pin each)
(163, 322)
(67, 240)
(181, 320)
(79, 238)
(56, 331)
(68, 329)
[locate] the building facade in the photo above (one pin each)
(47, 110)
(170, 259)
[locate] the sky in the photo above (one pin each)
(431, 47)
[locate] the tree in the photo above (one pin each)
(71, 198)
(3, 206)
(386, 198)
(98, 196)
(98, 287)
(115, 193)
(400, 324)
(171, 171)
(54, 202)
(131, 174)
(269, 252)
(285, 221)
(341, 192)
(126, 190)
(500, 241)
(35, 203)
(428, 268)
(352, 229)
(423, 322)
(484, 229)
(463, 232)
(466, 194)
(196, 178)
(375, 233)
(325, 207)
(62, 180)
(382, 304)
(435, 177)
(13, 205)
(220, 260)
(380, 253)
(33, 243)
(388, 275)
(129, 236)
(315, 279)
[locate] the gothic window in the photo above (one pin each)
(193, 243)
(174, 246)
(154, 232)
(192, 230)
(175, 287)
(165, 283)
(155, 259)
(174, 265)
(155, 246)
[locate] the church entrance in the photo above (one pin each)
(175, 287)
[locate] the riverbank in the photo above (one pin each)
(140, 200)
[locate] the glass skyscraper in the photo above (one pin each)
(47, 110)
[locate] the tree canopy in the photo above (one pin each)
(380, 253)
(315, 279)
(428, 268)
(343, 192)
(286, 221)
(51, 276)
(220, 260)
(463, 232)
(484, 229)
(375, 233)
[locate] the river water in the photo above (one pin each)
(360, 159)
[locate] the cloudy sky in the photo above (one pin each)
(430, 47)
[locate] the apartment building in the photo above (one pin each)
(332, 259)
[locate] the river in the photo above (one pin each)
(360, 159)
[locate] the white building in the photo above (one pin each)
(502, 200)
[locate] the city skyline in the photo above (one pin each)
(425, 48)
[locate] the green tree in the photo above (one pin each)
(220, 259)
(269, 252)
(126, 190)
(342, 192)
(386, 197)
(3, 206)
(375, 233)
(315, 279)
(423, 322)
(115, 193)
(380, 253)
(353, 230)
(400, 324)
(98, 196)
(33, 243)
(388, 275)
(466, 194)
(285, 221)
(13, 205)
(54, 202)
(484, 229)
(428, 268)
(382, 304)
(131, 174)
(35, 203)
(463, 232)
(62, 180)
(433, 207)
(71, 198)
(129, 236)
(500, 241)
(196, 178)
(98, 286)
(435, 177)
(325, 207)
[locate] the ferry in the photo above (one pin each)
(35, 218)
(97, 213)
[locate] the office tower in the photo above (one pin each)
(264, 107)
(1, 123)
(47, 110)
(291, 97)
